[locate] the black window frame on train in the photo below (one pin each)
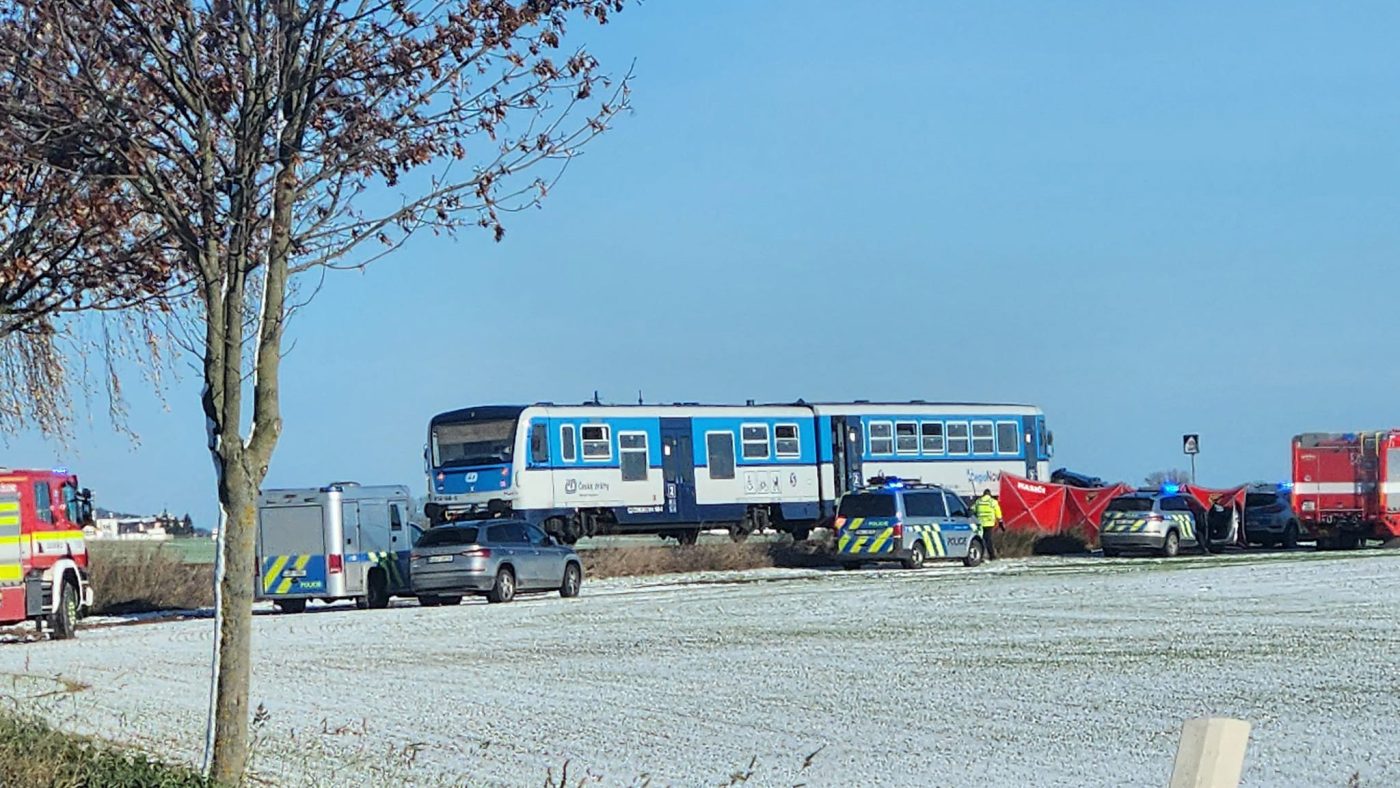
(790, 447)
(628, 455)
(1015, 437)
(727, 457)
(949, 438)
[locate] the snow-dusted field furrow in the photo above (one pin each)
(1041, 672)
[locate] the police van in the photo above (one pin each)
(906, 521)
(341, 541)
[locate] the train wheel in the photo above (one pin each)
(688, 536)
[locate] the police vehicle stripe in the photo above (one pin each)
(300, 565)
(928, 543)
(880, 540)
(278, 564)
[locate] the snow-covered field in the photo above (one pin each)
(1041, 672)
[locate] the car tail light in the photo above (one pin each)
(898, 530)
(477, 552)
(335, 563)
(1155, 517)
(840, 523)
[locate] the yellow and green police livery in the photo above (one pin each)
(1154, 521)
(902, 520)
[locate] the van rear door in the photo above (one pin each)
(291, 551)
(865, 522)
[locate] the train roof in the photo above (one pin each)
(487, 412)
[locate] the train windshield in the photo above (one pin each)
(481, 442)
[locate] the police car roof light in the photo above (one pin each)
(1170, 489)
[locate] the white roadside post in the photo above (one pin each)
(1211, 753)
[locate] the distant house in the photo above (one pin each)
(157, 527)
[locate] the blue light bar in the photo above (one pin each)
(61, 471)
(1170, 488)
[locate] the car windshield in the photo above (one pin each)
(447, 535)
(1130, 505)
(1260, 499)
(487, 442)
(867, 505)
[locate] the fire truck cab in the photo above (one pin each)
(1346, 486)
(43, 555)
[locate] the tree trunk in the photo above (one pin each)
(238, 499)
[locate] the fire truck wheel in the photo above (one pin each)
(377, 595)
(291, 605)
(1171, 545)
(504, 588)
(1290, 535)
(65, 616)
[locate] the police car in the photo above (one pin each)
(1160, 521)
(905, 521)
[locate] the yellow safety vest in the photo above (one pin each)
(987, 511)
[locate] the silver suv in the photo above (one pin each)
(493, 558)
(1268, 516)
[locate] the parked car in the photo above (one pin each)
(1160, 522)
(1269, 519)
(908, 522)
(1069, 478)
(496, 559)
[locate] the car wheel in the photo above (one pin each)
(504, 588)
(291, 605)
(377, 595)
(573, 580)
(1171, 545)
(64, 621)
(975, 553)
(449, 601)
(1290, 535)
(429, 600)
(916, 557)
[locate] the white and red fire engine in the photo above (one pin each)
(1346, 486)
(43, 555)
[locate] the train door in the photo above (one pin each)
(678, 469)
(1030, 443)
(846, 443)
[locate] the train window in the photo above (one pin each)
(932, 436)
(906, 437)
(1008, 437)
(881, 437)
(632, 452)
(957, 437)
(43, 502)
(785, 440)
(983, 441)
(755, 440)
(719, 454)
(597, 442)
(567, 448)
(539, 444)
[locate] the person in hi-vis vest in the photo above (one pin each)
(988, 514)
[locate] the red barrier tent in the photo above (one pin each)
(1029, 505)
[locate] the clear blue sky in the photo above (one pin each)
(1147, 220)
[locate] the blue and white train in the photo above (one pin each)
(673, 470)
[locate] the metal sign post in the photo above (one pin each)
(1191, 445)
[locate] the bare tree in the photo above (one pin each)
(71, 240)
(263, 138)
(1159, 478)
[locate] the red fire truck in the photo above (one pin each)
(43, 556)
(1346, 486)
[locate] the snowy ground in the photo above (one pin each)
(1041, 672)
